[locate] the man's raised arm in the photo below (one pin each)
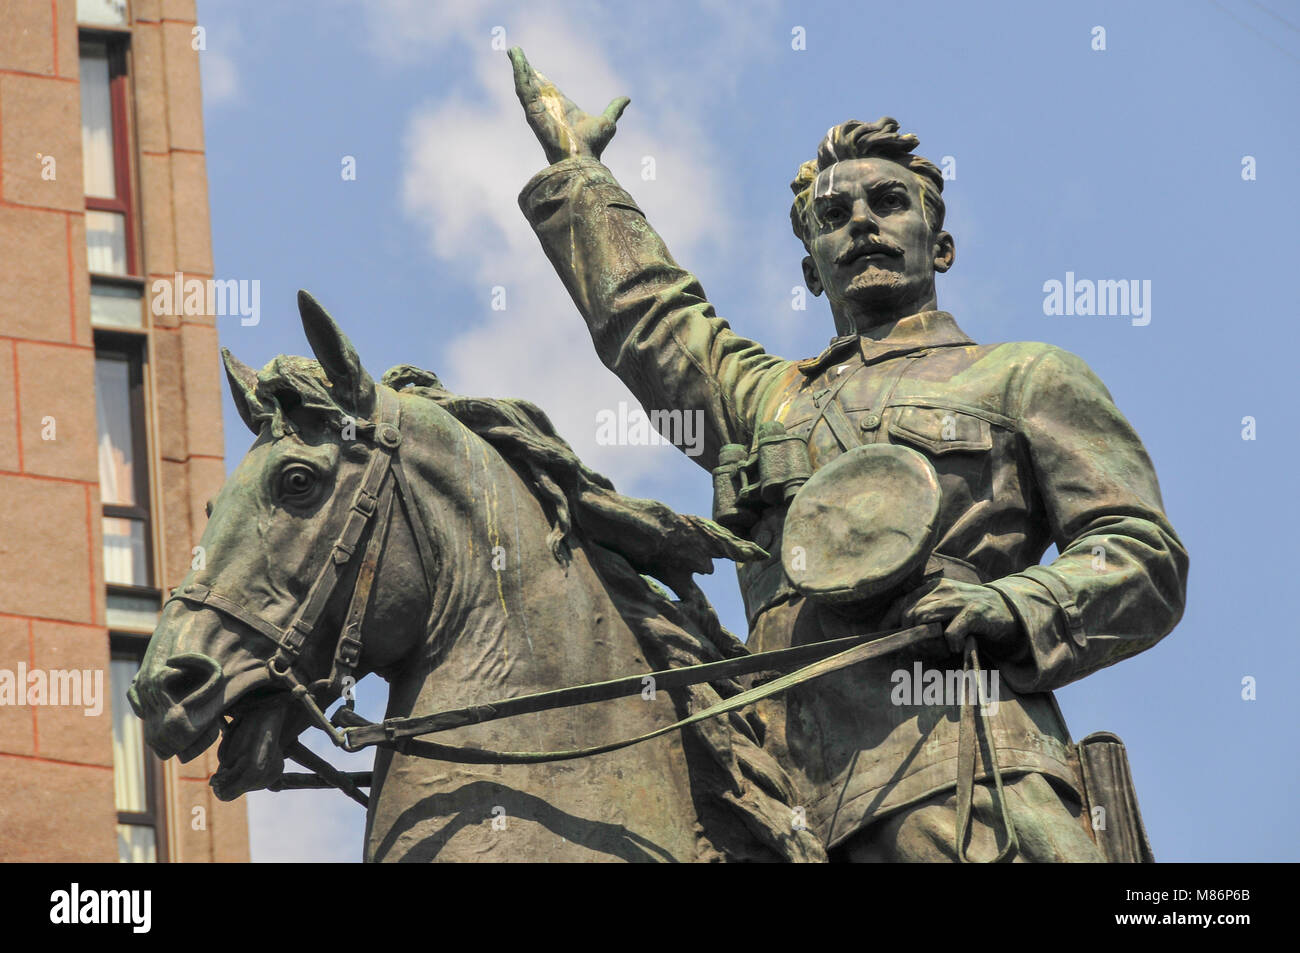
(648, 317)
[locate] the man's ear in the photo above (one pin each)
(945, 252)
(810, 276)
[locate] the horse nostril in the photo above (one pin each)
(189, 676)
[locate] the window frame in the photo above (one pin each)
(116, 42)
(128, 646)
(132, 346)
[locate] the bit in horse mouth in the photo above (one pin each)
(250, 754)
(245, 701)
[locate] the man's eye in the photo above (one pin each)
(834, 215)
(892, 200)
(297, 482)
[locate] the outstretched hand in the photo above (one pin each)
(561, 127)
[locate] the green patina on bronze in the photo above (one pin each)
(1028, 448)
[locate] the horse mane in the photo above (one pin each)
(630, 540)
(653, 537)
(636, 538)
(287, 383)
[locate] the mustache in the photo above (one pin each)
(869, 248)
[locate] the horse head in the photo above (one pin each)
(280, 565)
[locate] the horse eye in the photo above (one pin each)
(296, 482)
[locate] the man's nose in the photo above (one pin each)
(863, 220)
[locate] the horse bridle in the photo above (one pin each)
(373, 498)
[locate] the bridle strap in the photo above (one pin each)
(200, 595)
(347, 653)
(373, 489)
(364, 505)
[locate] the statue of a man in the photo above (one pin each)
(1028, 449)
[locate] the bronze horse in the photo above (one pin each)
(496, 564)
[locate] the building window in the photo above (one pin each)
(105, 150)
(123, 463)
(116, 290)
(137, 773)
(134, 598)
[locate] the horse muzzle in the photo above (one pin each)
(180, 703)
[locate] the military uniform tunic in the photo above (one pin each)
(1029, 449)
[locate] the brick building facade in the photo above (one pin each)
(110, 422)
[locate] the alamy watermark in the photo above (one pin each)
(634, 427)
(58, 688)
(948, 687)
(211, 297)
(1082, 296)
(128, 907)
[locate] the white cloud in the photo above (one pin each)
(469, 153)
(399, 31)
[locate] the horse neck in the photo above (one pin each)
(511, 618)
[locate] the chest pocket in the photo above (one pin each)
(940, 430)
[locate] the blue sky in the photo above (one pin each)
(1122, 163)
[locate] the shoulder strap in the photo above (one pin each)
(831, 411)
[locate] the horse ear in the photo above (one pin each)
(243, 388)
(353, 387)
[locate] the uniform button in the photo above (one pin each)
(870, 421)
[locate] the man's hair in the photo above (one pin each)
(864, 140)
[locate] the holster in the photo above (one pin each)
(1110, 801)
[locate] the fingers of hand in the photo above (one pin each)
(615, 109)
(525, 78)
(962, 624)
(934, 606)
(931, 613)
(900, 611)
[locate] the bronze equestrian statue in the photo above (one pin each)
(887, 503)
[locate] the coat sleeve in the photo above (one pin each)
(1120, 581)
(648, 317)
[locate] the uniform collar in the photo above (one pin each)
(916, 332)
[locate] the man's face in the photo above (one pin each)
(872, 249)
